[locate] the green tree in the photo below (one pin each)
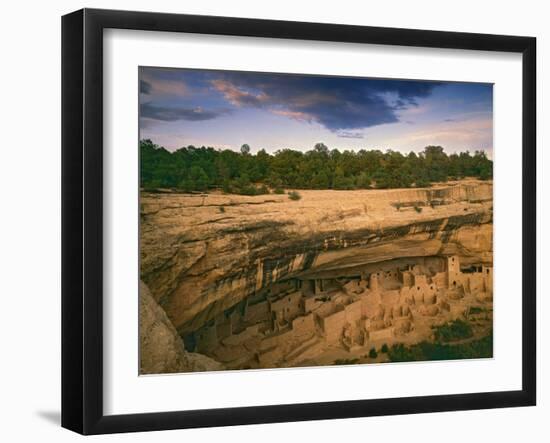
(320, 180)
(436, 163)
(197, 180)
(381, 179)
(321, 148)
(363, 180)
(341, 181)
(194, 168)
(242, 185)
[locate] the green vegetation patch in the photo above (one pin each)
(452, 331)
(192, 169)
(293, 195)
(425, 351)
(474, 310)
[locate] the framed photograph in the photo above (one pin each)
(269, 221)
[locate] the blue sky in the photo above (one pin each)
(225, 109)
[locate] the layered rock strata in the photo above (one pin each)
(201, 254)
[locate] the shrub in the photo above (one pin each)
(482, 348)
(418, 209)
(455, 330)
(373, 353)
(246, 190)
(384, 349)
(221, 208)
(278, 191)
(422, 183)
(263, 189)
(363, 181)
(293, 195)
(243, 187)
(226, 186)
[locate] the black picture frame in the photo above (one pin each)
(82, 218)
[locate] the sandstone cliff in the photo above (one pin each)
(201, 254)
(161, 349)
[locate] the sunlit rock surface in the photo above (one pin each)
(161, 348)
(203, 254)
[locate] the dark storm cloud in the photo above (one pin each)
(170, 114)
(144, 87)
(337, 103)
(145, 123)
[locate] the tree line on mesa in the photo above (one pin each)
(191, 169)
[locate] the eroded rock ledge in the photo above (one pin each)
(202, 254)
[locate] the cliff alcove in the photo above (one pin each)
(205, 265)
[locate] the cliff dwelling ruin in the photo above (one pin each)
(300, 320)
(269, 282)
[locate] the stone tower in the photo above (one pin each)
(488, 277)
(453, 271)
(373, 281)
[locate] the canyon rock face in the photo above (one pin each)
(203, 253)
(162, 349)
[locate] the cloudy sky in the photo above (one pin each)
(225, 109)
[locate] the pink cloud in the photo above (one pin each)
(166, 88)
(295, 115)
(237, 96)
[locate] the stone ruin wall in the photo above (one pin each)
(362, 312)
